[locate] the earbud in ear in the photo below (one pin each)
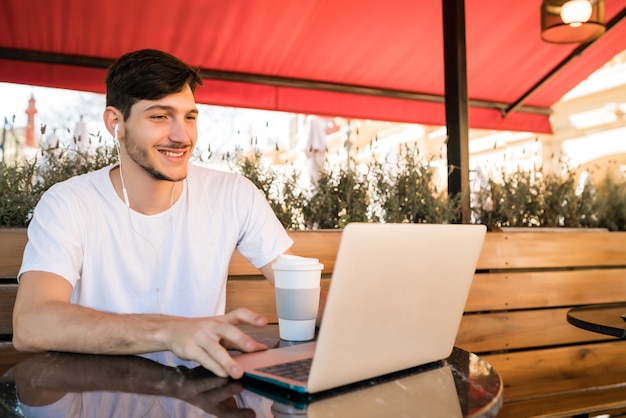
(116, 129)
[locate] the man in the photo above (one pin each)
(133, 258)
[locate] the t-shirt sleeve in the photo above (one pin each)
(262, 236)
(54, 240)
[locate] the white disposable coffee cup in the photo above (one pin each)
(297, 286)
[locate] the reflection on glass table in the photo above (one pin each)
(77, 385)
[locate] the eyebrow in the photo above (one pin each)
(170, 109)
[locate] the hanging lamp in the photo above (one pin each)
(572, 21)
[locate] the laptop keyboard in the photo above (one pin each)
(295, 370)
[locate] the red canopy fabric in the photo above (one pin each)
(393, 46)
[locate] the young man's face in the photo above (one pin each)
(160, 135)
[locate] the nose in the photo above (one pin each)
(182, 131)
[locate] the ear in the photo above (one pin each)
(113, 117)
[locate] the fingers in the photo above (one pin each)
(216, 359)
(207, 354)
(235, 338)
(243, 316)
(207, 339)
(223, 361)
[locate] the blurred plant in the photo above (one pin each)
(399, 190)
(406, 192)
(568, 203)
(512, 201)
(611, 196)
(60, 162)
(18, 193)
(532, 198)
(23, 182)
(337, 197)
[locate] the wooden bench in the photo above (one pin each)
(12, 243)
(515, 316)
(516, 319)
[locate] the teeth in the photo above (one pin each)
(173, 154)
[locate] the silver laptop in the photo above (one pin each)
(396, 299)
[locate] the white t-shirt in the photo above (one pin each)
(175, 262)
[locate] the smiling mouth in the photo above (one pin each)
(172, 153)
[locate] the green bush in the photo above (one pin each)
(402, 191)
(612, 202)
(399, 190)
(22, 183)
(19, 193)
(515, 200)
(530, 198)
(336, 198)
(566, 203)
(405, 191)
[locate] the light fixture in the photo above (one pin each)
(572, 21)
(576, 12)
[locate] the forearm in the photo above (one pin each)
(60, 326)
(45, 320)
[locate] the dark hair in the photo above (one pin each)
(146, 74)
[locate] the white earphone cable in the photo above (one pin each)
(130, 217)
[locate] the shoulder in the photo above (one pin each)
(70, 204)
(92, 181)
(223, 191)
(85, 189)
(211, 177)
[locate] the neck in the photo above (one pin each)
(146, 197)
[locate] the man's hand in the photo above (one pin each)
(206, 340)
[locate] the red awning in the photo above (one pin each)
(353, 58)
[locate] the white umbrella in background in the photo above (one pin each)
(81, 135)
(315, 146)
(52, 140)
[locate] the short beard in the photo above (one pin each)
(140, 156)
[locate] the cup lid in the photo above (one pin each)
(295, 262)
